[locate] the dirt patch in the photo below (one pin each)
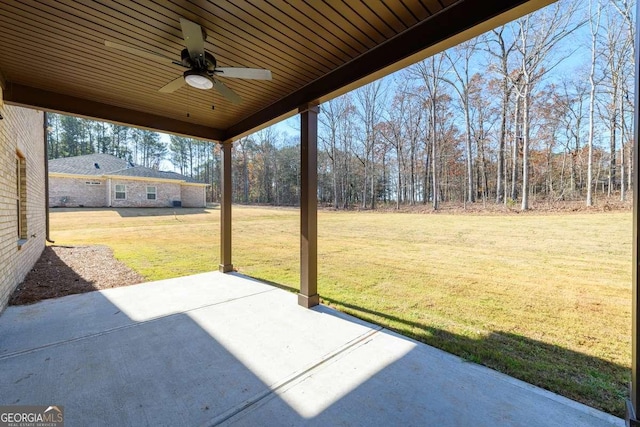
(64, 270)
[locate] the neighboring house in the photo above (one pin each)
(103, 180)
(22, 195)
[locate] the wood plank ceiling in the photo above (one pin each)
(53, 56)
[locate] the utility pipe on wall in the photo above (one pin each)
(46, 177)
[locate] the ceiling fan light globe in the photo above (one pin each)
(198, 81)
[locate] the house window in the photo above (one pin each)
(21, 195)
(121, 192)
(151, 193)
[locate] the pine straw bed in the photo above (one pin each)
(67, 270)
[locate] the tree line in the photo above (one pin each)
(540, 109)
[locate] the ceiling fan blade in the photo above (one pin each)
(193, 38)
(244, 73)
(173, 85)
(140, 52)
(226, 92)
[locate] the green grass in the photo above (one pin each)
(544, 298)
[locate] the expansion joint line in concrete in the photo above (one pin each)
(280, 387)
(123, 327)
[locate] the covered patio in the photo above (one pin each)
(315, 52)
(220, 348)
(223, 349)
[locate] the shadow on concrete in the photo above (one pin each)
(115, 371)
(87, 354)
(591, 380)
(274, 284)
(116, 361)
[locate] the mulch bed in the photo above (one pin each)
(64, 270)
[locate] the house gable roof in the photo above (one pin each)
(90, 164)
(143, 172)
(108, 165)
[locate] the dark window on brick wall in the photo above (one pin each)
(121, 192)
(151, 193)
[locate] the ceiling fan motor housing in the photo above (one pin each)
(209, 61)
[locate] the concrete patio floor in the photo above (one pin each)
(214, 349)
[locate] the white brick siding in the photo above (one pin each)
(136, 193)
(193, 196)
(20, 130)
(75, 192)
(93, 191)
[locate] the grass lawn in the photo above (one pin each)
(544, 298)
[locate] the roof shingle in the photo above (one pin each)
(106, 164)
(86, 165)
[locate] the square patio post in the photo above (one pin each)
(634, 401)
(308, 296)
(225, 210)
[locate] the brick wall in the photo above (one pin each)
(136, 194)
(21, 131)
(75, 192)
(66, 191)
(193, 196)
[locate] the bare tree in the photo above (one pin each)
(369, 100)
(483, 118)
(333, 117)
(538, 34)
(430, 72)
(403, 132)
(614, 50)
(460, 62)
(594, 27)
(242, 147)
(501, 49)
(626, 8)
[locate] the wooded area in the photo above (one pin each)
(540, 109)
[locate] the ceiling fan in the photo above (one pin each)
(202, 70)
